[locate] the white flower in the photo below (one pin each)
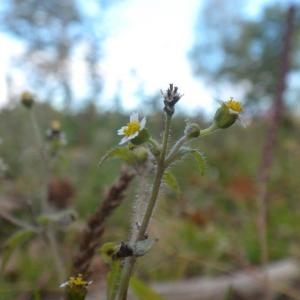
(132, 129)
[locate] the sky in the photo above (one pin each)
(147, 46)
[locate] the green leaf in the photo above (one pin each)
(171, 181)
(143, 291)
(198, 155)
(18, 238)
(200, 158)
(183, 151)
(113, 278)
(123, 153)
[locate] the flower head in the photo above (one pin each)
(228, 113)
(234, 106)
(132, 129)
(27, 99)
(77, 281)
(54, 133)
(76, 287)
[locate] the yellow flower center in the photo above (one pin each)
(132, 128)
(234, 105)
(77, 281)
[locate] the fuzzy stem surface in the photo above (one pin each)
(130, 261)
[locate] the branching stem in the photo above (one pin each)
(130, 262)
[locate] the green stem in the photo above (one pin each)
(49, 234)
(51, 237)
(44, 160)
(11, 219)
(175, 149)
(212, 128)
(130, 262)
(170, 158)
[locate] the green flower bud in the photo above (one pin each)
(227, 114)
(192, 130)
(223, 118)
(141, 154)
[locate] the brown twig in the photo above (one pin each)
(96, 223)
(271, 140)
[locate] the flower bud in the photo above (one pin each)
(223, 118)
(192, 130)
(54, 132)
(141, 154)
(227, 114)
(27, 99)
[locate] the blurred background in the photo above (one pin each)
(89, 64)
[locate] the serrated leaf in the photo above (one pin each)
(200, 158)
(13, 242)
(181, 153)
(123, 153)
(171, 181)
(143, 291)
(113, 278)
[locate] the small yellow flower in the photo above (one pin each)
(132, 129)
(228, 113)
(234, 106)
(76, 282)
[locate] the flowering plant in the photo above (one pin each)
(160, 155)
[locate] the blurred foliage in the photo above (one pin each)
(244, 50)
(212, 217)
(54, 34)
(206, 224)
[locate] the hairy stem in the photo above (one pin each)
(174, 151)
(209, 130)
(130, 262)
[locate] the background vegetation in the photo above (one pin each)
(212, 218)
